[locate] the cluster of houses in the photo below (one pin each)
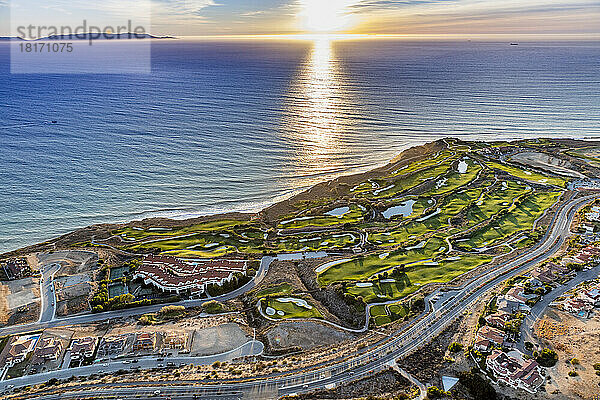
(142, 342)
(38, 350)
(174, 275)
(501, 329)
(583, 302)
(588, 256)
(15, 268)
(548, 275)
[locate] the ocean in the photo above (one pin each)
(236, 125)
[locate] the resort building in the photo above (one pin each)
(83, 347)
(175, 275)
(145, 341)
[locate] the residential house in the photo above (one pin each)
(112, 345)
(175, 341)
(145, 341)
(495, 336)
(47, 349)
(18, 349)
(497, 320)
(83, 347)
(520, 374)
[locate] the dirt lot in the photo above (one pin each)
(547, 162)
(572, 338)
(304, 334)
(217, 339)
(73, 293)
(19, 300)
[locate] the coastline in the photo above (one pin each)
(250, 208)
(269, 210)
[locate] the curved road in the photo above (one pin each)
(399, 345)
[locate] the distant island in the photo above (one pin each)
(89, 36)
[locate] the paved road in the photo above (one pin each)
(47, 293)
(251, 348)
(539, 308)
(404, 342)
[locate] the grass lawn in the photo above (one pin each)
(519, 219)
(528, 175)
(278, 290)
(289, 309)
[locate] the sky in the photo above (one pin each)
(274, 17)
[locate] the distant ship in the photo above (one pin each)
(514, 44)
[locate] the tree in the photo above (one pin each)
(478, 386)
(547, 358)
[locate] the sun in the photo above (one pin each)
(326, 16)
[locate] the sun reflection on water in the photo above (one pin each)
(316, 112)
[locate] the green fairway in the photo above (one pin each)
(451, 206)
(415, 276)
(520, 218)
(455, 180)
(362, 268)
(444, 157)
(138, 234)
(384, 314)
(204, 244)
(317, 242)
(354, 215)
(281, 308)
(528, 175)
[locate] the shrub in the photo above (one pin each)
(171, 311)
(597, 366)
(212, 307)
(574, 361)
(455, 347)
(573, 373)
(433, 392)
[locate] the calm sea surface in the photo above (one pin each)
(237, 125)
